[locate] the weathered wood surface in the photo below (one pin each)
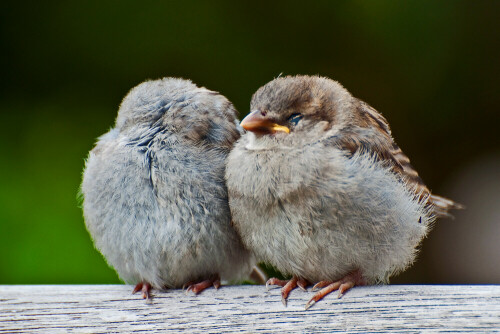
(112, 308)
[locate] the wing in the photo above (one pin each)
(370, 132)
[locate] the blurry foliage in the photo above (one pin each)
(271, 271)
(430, 67)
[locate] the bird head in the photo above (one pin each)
(178, 107)
(295, 104)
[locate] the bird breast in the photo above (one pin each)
(317, 213)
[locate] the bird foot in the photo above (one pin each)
(343, 285)
(145, 288)
(288, 286)
(200, 286)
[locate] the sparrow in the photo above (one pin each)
(319, 189)
(154, 195)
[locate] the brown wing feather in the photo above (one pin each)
(371, 133)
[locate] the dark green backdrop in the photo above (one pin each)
(431, 67)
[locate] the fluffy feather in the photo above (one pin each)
(320, 214)
(155, 200)
(330, 194)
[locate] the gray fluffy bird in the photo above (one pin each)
(319, 189)
(154, 195)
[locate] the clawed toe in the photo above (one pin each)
(321, 285)
(302, 284)
(145, 288)
(343, 285)
(275, 281)
(285, 291)
(200, 286)
(287, 286)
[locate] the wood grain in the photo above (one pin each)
(375, 309)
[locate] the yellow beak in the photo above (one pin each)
(258, 123)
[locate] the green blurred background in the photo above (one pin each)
(431, 67)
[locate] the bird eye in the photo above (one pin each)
(295, 118)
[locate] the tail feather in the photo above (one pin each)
(443, 205)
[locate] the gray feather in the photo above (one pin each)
(155, 199)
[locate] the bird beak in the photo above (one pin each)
(258, 123)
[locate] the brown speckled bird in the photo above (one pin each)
(319, 189)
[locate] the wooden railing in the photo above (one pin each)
(373, 309)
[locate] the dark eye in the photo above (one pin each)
(295, 118)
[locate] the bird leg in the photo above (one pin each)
(145, 288)
(288, 286)
(302, 284)
(275, 281)
(200, 286)
(344, 284)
